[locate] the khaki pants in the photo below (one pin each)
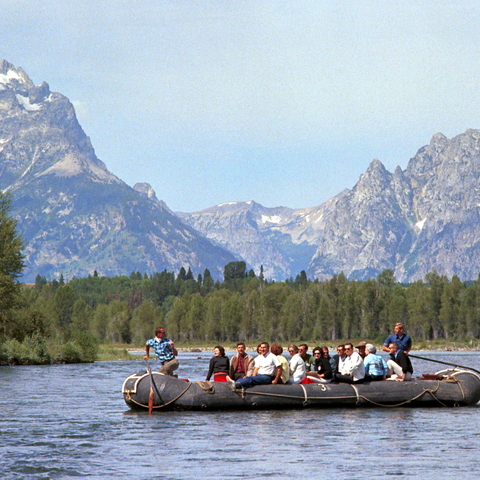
(169, 367)
(395, 368)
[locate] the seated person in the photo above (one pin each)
(333, 362)
(306, 357)
(277, 350)
(361, 349)
(399, 365)
(323, 369)
(268, 369)
(296, 366)
(375, 366)
(352, 369)
(219, 365)
(241, 364)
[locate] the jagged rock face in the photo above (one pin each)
(76, 216)
(413, 222)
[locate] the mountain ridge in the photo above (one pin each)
(76, 216)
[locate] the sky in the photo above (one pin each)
(281, 102)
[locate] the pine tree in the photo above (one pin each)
(11, 262)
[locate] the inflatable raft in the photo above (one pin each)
(445, 388)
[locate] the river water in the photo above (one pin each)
(70, 421)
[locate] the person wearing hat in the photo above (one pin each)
(361, 349)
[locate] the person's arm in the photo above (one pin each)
(278, 374)
(250, 366)
(174, 350)
(147, 352)
(408, 345)
(210, 369)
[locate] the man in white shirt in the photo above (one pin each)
(352, 370)
(267, 369)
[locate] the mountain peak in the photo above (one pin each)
(13, 77)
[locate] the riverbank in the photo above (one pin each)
(127, 352)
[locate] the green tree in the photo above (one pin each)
(11, 263)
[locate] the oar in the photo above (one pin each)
(151, 396)
(444, 363)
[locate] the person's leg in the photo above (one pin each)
(169, 367)
(343, 378)
(394, 368)
(248, 382)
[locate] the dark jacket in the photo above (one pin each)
(322, 366)
(404, 361)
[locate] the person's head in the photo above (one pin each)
(325, 352)
(341, 350)
(303, 349)
(219, 351)
(361, 347)
(317, 352)
(241, 348)
(160, 332)
(393, 347)
(348, 348)
(292, 350)
(263, 348)
(276, 349)
(369, 348)
(398, 328)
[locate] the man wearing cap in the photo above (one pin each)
(399, 337)
(361, 349)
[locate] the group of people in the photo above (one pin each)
(271, 367)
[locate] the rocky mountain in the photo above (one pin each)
(75, 216)
(412, 221)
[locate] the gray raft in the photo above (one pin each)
(446, 388)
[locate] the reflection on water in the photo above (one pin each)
(70, 421)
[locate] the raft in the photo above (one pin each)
(448, 388)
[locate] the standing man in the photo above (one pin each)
(241, 364)
(399, 337)
(165, 350)
(352, 370)
(268, 369)
(399, 365)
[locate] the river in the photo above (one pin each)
(70, 422)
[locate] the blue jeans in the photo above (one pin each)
(248, 382)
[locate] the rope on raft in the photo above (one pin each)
(129, 398)
(358, 396)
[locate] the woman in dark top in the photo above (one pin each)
(323, 369)
(219, 365)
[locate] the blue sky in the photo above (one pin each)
(281, 102)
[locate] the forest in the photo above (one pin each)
(58, 321)
(80, 315)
